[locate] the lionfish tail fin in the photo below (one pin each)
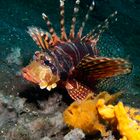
(76, 90)
(51, 29)
(96, 32)
(62, 21)
(103, 67)
(79, 34)
(76, 10)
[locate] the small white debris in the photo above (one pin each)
(77, 1)
(116, 12)
(44, 16)
(45, 138)
(75, 134)
(93, 3)
(62, 2)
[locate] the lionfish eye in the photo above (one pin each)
(46, 62)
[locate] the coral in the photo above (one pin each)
(51, 105)
(8, 114)
(84, 115)
(75, 134)
(128, 128)
(20, 120)
(133, 113)
(106, 112)
(37, 125)
(15, 56)
(57, 123)
(124, 117)
(18, 133)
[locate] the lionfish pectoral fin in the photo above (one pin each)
(76, 90)
(103, 67)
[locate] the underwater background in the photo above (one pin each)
(17, 47)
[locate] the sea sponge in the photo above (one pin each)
(84, 115)
(106, 112)
(125, 117)
(128, 128)
(133, 113)
(87, 115)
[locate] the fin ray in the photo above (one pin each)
(102, 67)
(95, 33)
(76, 10)
(51, 29)
(76, 90)
(41, 37)
(79, 34)
(62, 21)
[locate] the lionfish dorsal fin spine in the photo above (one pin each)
(79, 34)
(37, 34)
(46, 41)
(31, 32)
(42, 38)
(62, 21)
(51, 29)
(76, 10)
(95, 33)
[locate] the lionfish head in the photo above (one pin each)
(41, 71)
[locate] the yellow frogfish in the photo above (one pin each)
(96, 114)
(83, 114)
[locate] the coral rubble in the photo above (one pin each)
(20, 120)
(15, 56)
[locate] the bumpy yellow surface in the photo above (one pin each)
(88, 113)
(84, 114)
(125, 117)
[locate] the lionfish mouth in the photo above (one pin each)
(32, 72)
(28, 76)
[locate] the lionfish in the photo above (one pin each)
(71, 61)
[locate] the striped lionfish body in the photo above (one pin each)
(73, 60)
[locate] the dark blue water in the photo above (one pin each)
(16, 15)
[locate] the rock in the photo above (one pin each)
(75, 134)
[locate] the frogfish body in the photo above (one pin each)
(72, 61)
